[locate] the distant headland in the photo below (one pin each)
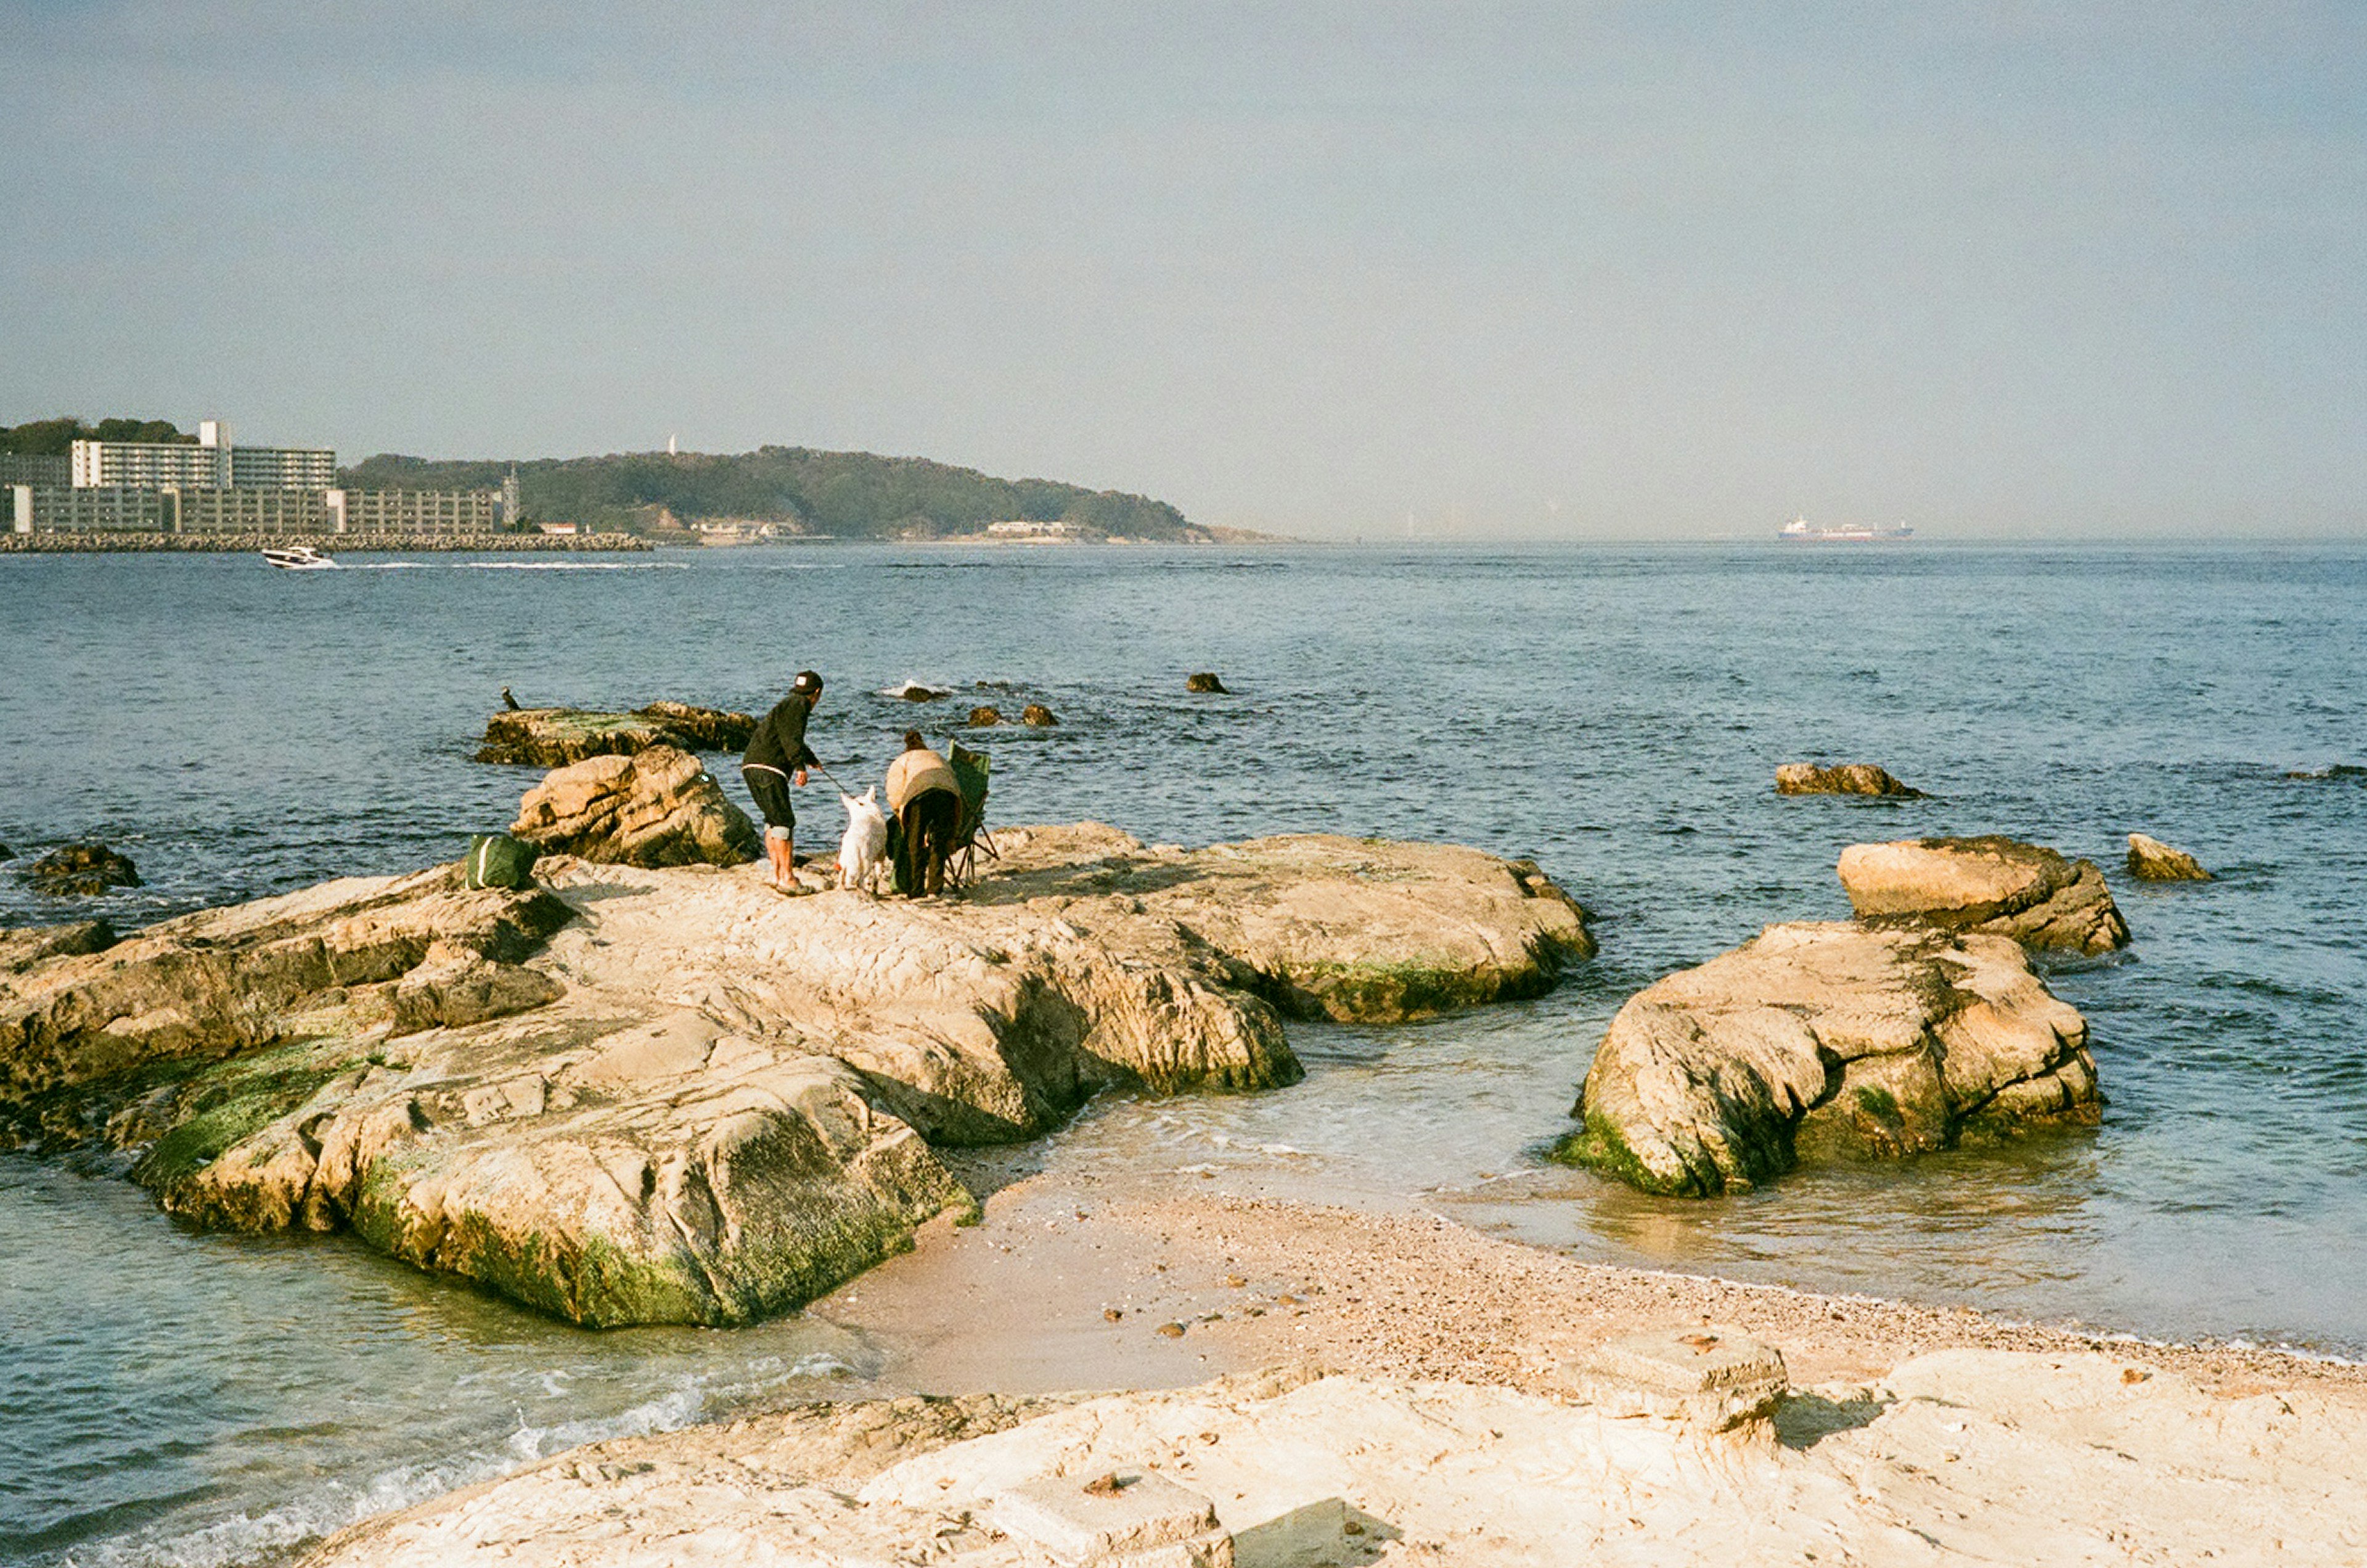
(129, 483)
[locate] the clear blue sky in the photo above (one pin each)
(1653, 270)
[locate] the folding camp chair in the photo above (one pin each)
(970, 771)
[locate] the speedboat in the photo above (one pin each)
(299, 558)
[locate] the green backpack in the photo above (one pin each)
(497, 859)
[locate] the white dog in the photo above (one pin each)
(865, 846)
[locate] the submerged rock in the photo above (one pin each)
(657, 808)
(552, 737)
(1039, 715)
(643, 1094)
(914, 691)
(2151, 860)
(1206, 681)
(1993, 884)
(81, 871)
(1842, 778)
(1819, 1041)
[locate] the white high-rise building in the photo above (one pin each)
(214, 463)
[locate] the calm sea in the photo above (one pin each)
(1616, 712)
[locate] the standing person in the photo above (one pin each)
(926, 799)
(777, 757)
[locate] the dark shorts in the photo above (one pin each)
(771, 793)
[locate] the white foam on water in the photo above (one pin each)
(253, 1537)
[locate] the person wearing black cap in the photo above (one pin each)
(777, 757)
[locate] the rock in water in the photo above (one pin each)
(670, 1095)
(1037, 716)
(1206, 681)
(1843, 778)
(985, 717)
(6, 853)
(1823, 1041)
(914, 691)
(2151, 860)
(1991, 884)
(552, 737)
(81, 870)
(657, 808)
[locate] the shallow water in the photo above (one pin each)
(1616, 712)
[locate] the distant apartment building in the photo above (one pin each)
(282, 467)
(41, 471)
(249, 512)
(92, 509)
(214, 463)
(412, 510)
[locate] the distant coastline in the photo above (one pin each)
(341, 544)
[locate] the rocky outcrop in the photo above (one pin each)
(1037, 716)
(1823, 1041)
(552, 737)
(2151, 860)
(638, 1094)
(22, 948)
(659, 808)
(1205, 681)
(984, 716)
(1840, 778)
(1950, 1459)
(1992, 884)
(81, 871)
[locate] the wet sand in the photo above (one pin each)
(1060, 1290)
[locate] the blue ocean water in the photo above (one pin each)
(1616, 712)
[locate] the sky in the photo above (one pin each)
(1447, 271)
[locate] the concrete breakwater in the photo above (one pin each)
(338, 544)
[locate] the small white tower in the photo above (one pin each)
(670, 448)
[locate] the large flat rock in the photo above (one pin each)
(1991, 884)
(643, 1094)
(1828, 1041)
(552, 737)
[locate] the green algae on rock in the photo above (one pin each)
(640, 1094)
(1819, 1041)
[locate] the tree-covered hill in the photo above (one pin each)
(847, 495)
(55, 437)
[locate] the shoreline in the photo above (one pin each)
(1491, 1309)
(341, 543)
(1301, 1365)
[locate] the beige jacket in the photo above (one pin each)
(917, 773)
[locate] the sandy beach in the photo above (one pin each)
(1363, 1387)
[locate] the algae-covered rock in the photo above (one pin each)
(668, 1094)
(984, 716)
(553, 737)
(1205, 682)
(1828, 1041)
(1037, 716)
(80, 870)
(1990, 883)
(1842, 778)
(659, 808)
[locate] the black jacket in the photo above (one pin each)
(780, 737)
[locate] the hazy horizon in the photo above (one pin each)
(1473, 272)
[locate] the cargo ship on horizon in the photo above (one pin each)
(1799, 531)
